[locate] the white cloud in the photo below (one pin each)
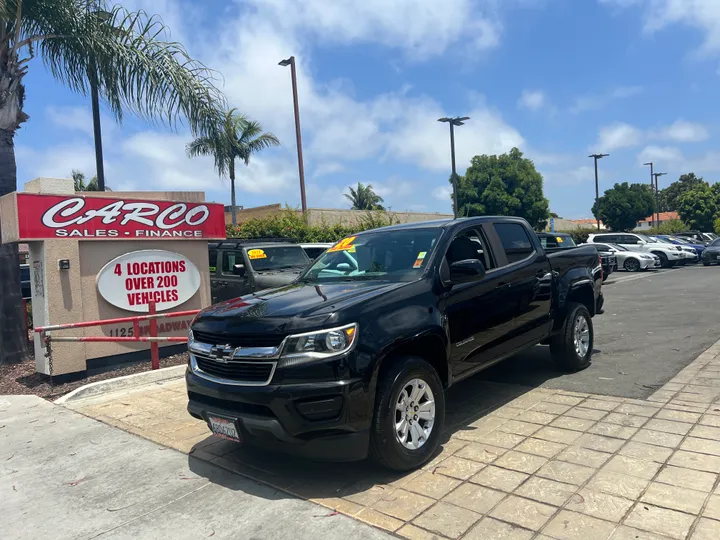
(663, 154)
(683, 131)
(533, 100)
(660, 14)
(618, 135)
(598, 101)
(442, 193)
(71, 118)
(326, 168)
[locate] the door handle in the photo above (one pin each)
(541, 273)
(501, 286)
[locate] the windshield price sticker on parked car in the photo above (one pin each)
(133, 280)
(420, 259)
(256, 254)
(344, 245)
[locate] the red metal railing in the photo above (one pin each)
(153, 338)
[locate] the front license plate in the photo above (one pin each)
(224, 428)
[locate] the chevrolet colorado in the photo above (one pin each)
(353, 358)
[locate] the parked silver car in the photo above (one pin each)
(631, 261)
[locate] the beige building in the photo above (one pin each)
(330, 216)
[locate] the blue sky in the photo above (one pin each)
(637, 79)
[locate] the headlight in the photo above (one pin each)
(320, 345)
(649, 257)
(191, 340)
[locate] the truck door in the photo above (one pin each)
(529, 278)
(235, 279)
(477, 315)
(214, 278)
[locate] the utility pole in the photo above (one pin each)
(652, 189)
(597, 190)
(657, 197)
(298, 137)
(100, 17)
(457, 121)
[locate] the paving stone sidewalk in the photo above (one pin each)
(516, 463)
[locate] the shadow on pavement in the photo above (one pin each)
(363, 482)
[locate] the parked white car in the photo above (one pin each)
(691, 255)
(631, 261)
(669, 254)
(313, 251)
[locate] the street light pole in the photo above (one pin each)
(652, 188)
(298, 136)
(597, 190)
(100, 17)
(457, 121)
(657, 198)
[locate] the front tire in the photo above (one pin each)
(664, 263)
(572, 347)
(706, 263)
(631, 265)
(409, 414)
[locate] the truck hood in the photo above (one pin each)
(293, 308)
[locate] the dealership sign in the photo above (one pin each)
(133, 280)
(78, 217)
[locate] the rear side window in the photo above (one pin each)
(515, 241)
(213, 260)
(232, 262)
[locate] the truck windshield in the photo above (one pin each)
(275, 258)
(384, 255)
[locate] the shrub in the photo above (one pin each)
(669, 227)
(717, 226)
(290, 223)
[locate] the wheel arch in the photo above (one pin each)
(431, 346)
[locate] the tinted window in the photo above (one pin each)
(610, 238)
(276, 258)
(715, 243)
(515, 241)
(213, 260)
(628, 239)
(469, 244)
(314, 252)
(24, 273)
(230, 262)
(604, 247)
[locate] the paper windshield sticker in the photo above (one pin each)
(256, 254)
(344, 245)
(559, 239)
(420, 259)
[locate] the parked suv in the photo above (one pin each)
(669, 255)
(239, 267)
(354, 357)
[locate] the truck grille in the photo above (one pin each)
(242, 372)
(242, 340)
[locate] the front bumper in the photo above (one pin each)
(325, 420)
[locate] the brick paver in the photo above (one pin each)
(516, 464)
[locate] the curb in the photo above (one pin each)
(121, 383)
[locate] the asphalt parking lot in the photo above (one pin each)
(655, 323)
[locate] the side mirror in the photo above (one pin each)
(466, 271)
(239, 270)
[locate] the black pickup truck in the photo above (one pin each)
(553, 242)
(353, 358)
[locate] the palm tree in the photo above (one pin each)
(134, 69)
(80, 185)
(239, 138)
(364, 198)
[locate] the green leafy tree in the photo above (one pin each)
(80, 185)
(364, 198)
(623, 205)
(698, 208)
(668, 197)
(134, 69)
(507, 185)
(239, 138)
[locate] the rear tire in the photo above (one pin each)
(572, 347)
(631, 265)
(399, 446)
(706, 263)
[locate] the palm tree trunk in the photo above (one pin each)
(13, 336)
(233, 211)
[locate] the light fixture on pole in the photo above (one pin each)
(298, 137)
(457, 121)
(652, 188)
(597, 190)
(657, 197)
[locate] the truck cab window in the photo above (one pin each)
(231, 260)
(515, 241)
(469, 244)
(213, 260)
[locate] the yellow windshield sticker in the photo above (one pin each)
(344, 245)
(559, 239)
(420, 259)
(256, 254)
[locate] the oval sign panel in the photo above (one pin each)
(133, 280)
